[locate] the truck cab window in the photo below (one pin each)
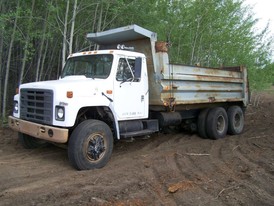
(91, 66)
(125, 71)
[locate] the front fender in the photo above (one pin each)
(73, 106)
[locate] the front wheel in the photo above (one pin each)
(90, 145)
(30, 142)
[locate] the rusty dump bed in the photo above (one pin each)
(175, 84)
(192, 85)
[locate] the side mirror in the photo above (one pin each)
(138, 68)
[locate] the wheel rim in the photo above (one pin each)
(220, 124)
(95, 147)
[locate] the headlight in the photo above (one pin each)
(59, 113)
(15, 107)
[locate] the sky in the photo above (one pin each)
(264, 11)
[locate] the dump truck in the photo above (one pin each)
(127, 88)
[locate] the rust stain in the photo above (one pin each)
(161, 46)
(166, 88)
(218, 79)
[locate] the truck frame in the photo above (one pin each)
(127, 88)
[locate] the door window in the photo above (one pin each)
(125, 71)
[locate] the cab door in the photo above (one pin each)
(130, 93)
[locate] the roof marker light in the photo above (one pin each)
(69, 94)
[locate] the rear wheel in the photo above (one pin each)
(217, 123)
(235, 120)
(90, 145)
(202, 123)
(30, 142)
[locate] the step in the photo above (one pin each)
(137, 133)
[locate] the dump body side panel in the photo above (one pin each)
(192, 85)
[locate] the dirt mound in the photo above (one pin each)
(173, 169)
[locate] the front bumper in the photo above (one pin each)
(52, 134)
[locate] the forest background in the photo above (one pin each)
(36, 36)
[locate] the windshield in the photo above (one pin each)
(91, 66)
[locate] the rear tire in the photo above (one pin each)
(202, 123)
(30, 142)
(217, 123)
(90, 145)
(235, 120)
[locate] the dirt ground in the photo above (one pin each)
(166, 169)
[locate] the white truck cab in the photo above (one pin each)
(107, 85)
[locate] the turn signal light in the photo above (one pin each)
(69, 94)
(109, 91)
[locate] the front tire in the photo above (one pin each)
(90, 145)
(30, 142)
(217, 123)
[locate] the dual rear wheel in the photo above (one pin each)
(216, 122)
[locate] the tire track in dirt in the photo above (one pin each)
(230, 180)
(253, 155)
(213, 173)
(60, 183)
(193, 168)
(158, 177)
(23, 157)
(26, 173)
(179, 169)
(183, 167)
(238, 169)
(258, 174)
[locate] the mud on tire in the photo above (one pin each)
(90, 145)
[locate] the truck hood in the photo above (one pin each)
(79, 85)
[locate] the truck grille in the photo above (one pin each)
(36, 105)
